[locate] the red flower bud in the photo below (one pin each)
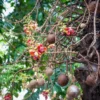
(29, 42)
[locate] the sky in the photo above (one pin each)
(8, 10)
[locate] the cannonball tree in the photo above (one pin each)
(50, 47)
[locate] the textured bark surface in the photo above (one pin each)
(89, 93)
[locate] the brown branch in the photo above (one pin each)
(94, 24)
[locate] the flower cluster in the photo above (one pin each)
(69, 31)
(8, 96)
(37, 51)
(28, 28)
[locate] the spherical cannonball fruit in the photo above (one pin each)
(69, 98)
(51, 38)
(91, 80)
(92, 6)
(49, 71)
(32, 84)
(62, 80)
(94, 68)
(33, 90)
(73, 91)
(41, 82)
(82, 25)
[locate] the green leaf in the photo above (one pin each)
(15, 93)
(40, 16)
(64, 1)
(57, 88)
(1, 54)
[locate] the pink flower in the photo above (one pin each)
(45, 94)
(41, 48)
(36, 56)
(8, 97)
(69, 31)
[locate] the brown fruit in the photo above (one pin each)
(51, 38)
(92, 7)
(91, 80)
(73, 91)
(41, 82)
(33, 90)
(32, 84)
(62, 80)
(49, 71)
(69, 98)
